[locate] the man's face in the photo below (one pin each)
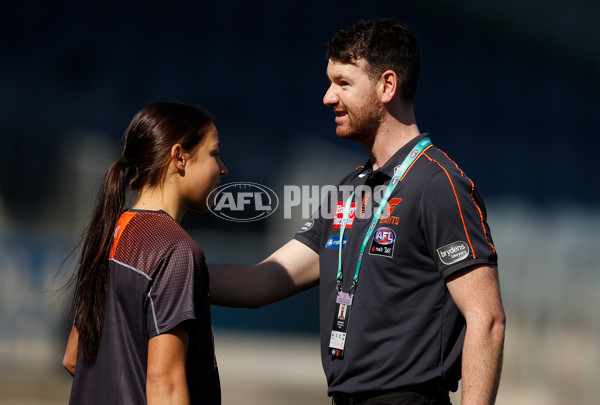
(352, 96)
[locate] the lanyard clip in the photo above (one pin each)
(353, 288)
(339, 286)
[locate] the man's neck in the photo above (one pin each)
(388, 140)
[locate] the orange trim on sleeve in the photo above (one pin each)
(462, 218)
(474, 202)
(480, 216)
(121, 224)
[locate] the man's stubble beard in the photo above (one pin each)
(362, 129)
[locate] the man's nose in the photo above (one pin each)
(330, 98)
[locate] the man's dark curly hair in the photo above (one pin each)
(385, 44)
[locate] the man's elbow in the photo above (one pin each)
(488, 326)
(498, 327)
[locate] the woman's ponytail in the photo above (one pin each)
(91, 282)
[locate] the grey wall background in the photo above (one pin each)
(509, 90)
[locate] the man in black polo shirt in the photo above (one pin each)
(409, 292)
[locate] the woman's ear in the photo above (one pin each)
(178, 157)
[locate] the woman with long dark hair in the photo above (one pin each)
(141, 314)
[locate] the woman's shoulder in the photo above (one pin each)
(162, 229)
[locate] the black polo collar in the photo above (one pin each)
(386, 172)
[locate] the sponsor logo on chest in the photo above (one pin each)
(334, 242)
(339, 215)
(383, 242)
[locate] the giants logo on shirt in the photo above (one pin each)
(339, 215)
(386, 217)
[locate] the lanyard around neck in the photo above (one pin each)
(399, 173)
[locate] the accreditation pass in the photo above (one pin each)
(337, 342)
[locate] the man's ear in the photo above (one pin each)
(178, 157)
(388, 83)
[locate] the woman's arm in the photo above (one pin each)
(70, 358)
(166, 382)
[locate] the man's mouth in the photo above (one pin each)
(339, 115)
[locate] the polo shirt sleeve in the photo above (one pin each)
(453, 220)
(310, 233)
(171, 300)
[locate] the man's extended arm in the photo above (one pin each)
(476, 292)
(293, 268)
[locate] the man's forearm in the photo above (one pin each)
(482, 362)
(238, 286)
(290, 270)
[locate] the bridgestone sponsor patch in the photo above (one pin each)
(454, 252)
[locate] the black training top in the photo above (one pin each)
(404, 328)
(158, 279)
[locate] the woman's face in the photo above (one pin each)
(203, 172)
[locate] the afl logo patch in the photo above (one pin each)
(414, 153)
(385, 236)
(383, 242)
